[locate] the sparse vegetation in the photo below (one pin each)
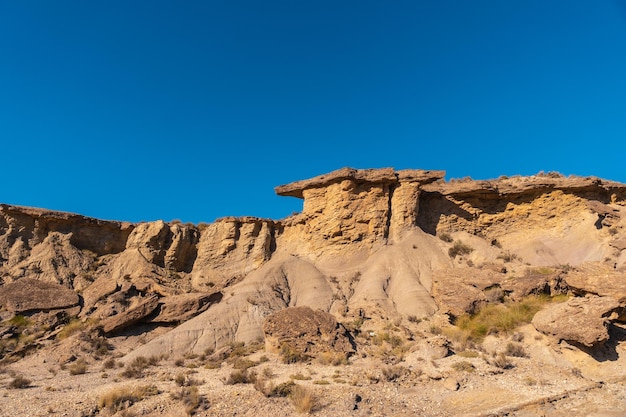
(74, 326)
(241, 377)
(459, 249)
(392, 373)
(332, 358)
(120, 398)
(135, 369)
(190, 397)
(302, 398)
(445, 237)
(20, 382)
(516, 350)
(289, 354)
(500, 318)
(463, 366)
(79, 367)
(507, 256)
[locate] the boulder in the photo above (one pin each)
(580, 320)
(180, 308)
(598, 279)
(142, 308)
(27, 295)
(304, 330)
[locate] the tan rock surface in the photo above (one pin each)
(304, 330)
(581, 320)
(371, 248)
(28, 295)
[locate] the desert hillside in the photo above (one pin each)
(391, 293)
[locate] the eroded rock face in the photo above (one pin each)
(365, 245)
(304, 330)
(30, 295)
(229, 249)
(355, 207)
(582, 320)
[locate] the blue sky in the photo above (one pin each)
(194, 110)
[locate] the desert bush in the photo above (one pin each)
(445, 237)
(120, 398)
(241, 377)
(459, 248)
(270, 390)
(244, 363)
(191, 399)
(135, 369)
(78, 368)
(109, 364)
(463, 366)
(302, 398)
(500, 318)
(507, 256)
(392, 373)
(20, 382)
(300, 376)
(289, 354)
(332, 358)
(516, 350)
(468, 354)
(501, 361)
(74, 326)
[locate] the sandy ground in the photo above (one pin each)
(554, 380)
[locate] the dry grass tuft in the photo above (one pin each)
(120, 398)
(19, 382)
(191, 399)
(302, 399)
(79, 367)
(135, 369)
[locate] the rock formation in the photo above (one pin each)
(374, 245)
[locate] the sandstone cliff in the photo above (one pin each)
(373, 245)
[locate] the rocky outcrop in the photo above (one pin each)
(355, 207)
(305, 331)
(231, 248)
(29, 295)
(134, 314)
(180, 308)
(369, 245)
(581, 320)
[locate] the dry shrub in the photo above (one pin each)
(20, 382)
(74, 326)
(191, 399)
(79, 367)
(332, 358)
(289, 354)
(515, 349)
(241, 377)
(120, 398)
(109, 364)
(459, 248)
(135, 368)
(302, 398)
(270, 390)
(499, 318)
(244, 363)
(501, 361)
(463, 366)
(392, 373)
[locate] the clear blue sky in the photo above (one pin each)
(193, 110)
